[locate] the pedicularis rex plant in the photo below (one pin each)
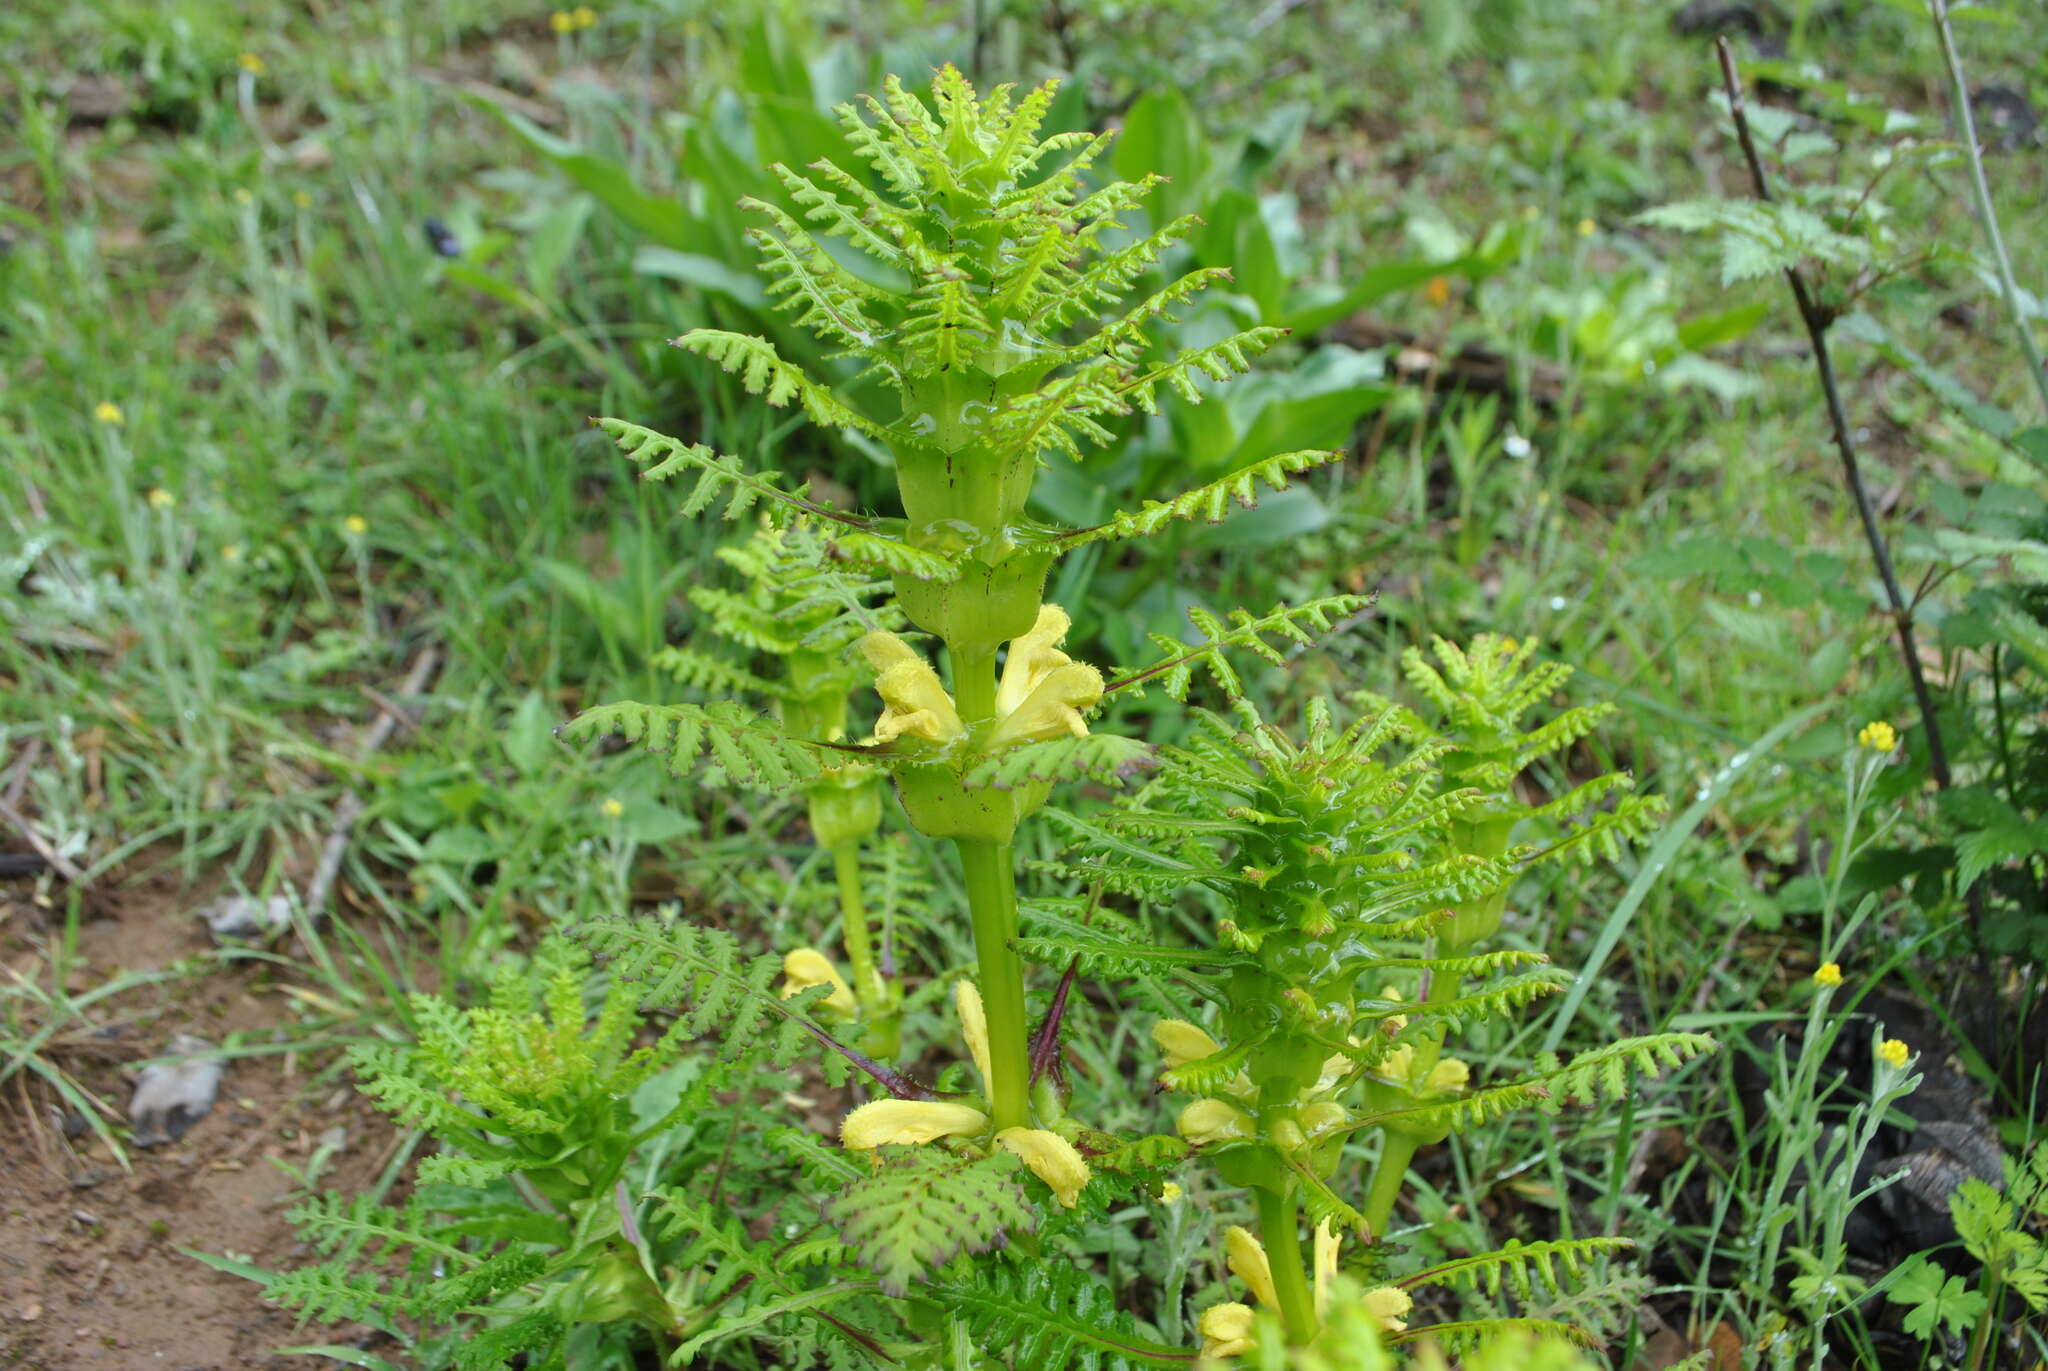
(1334, 866)
(994, 311)
(992, 304)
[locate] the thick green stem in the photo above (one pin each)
(1387, 1178)
(992, 900)
(1280, 1230)
(877, 1008)
(974, 684)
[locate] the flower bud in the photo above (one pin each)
(1180, 1042)
(1213, 1121)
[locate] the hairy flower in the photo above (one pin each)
(914, 700)
(1041, 695)
(1051, 1158)
(805, 967)
(1052, 708)
(898, 1122)
(1894, 1053)
(1878, 736)
(1226, 1330)
(1828, 975)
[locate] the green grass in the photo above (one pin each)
(333, 450)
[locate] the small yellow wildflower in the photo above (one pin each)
(251, 63)
(805, 967)
(904, 1122)
(243, 196)
(1828, 975)
(355, 525)
(159, 498)
(561, 21)
(1587, 228)
(1894, 1053)
(231, 552)
(612, 809)
(1226, 1330)
(1170, 1193)
(302, 199)
(1878, 736)
(1438, 290)
(107, 412)
(585, 17)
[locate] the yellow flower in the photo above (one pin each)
(914, 700)
(1894, 1053)
(896, 1122)
(1247, 1261)
(251, 63)
(1878, 736)
(1586, 228)
(1829, 975)
(1170, 1193)
(561, 21)
(974, 1027)
(243, 196)
(302, 199)
(1214, 1121)
(159, 498)
(1041, 694)
(1389, 1307)
(1052, 708)
(1032, 658)
(585, 17)
(1226, 1330)
(1180, 1042)
(611, 809)
(805, 967)
(355, 525)
(231, 552)
(107, 412)
(1051, 1158)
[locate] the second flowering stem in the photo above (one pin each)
(989, 868)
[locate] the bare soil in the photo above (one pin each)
(91, 1271)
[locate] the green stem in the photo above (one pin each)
(992, 900)
(1280, 1230)
(1387, 1178)
(974, 684)
(878, 1010)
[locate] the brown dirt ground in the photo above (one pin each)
(91, 1275)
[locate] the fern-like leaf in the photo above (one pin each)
(749, 748)
(1050, 1316)
(1210, 502)
(1296, 624)
(922, 1206)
